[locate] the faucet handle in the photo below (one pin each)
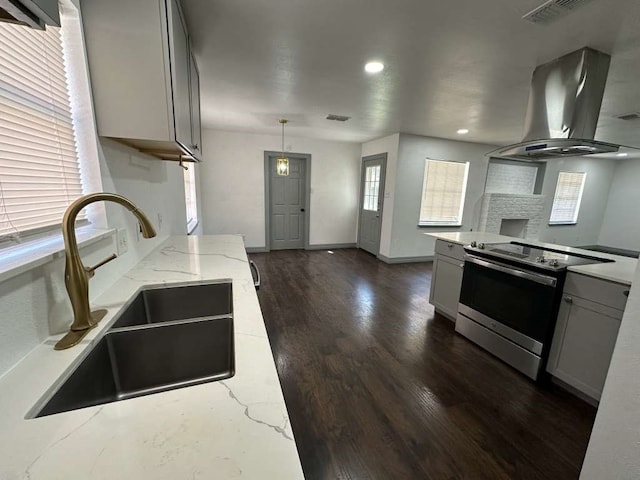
(91, 270)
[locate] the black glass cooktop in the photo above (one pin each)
(541, 257)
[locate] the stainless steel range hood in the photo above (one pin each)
(564, 104)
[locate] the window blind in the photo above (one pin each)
(190, 197)
(39, 170)
(567, 199)
(443, 192)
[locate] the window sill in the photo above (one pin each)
(559, 224)
(191, 226)
(440, 225)
(21, 258)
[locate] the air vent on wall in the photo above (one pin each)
(552, 10)
(629, 116)
(337, 118)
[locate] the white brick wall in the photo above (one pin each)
(498, 206)
(518, 179)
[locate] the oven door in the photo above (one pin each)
(498, 295)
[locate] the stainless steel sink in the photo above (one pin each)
(167, 303)
(156, 352)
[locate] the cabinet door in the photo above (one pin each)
(46, 10)
(196, 128)
(583, 343)
(445, 285)
(179, 59)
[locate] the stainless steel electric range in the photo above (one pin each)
(510, 299)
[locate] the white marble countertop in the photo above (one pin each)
(464, 238)
(235, 428)
(621, 270)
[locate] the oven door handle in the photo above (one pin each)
(509, 270)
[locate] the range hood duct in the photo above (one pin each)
(564, 105)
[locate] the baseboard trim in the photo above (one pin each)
(327, 246)
(331, 246)
(443, 314)
(393, 260)
(574, 391)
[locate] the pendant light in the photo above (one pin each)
(282, 163)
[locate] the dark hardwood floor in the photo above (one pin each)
(378, 387)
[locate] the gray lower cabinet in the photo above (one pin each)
(586, 333)
(446, 280)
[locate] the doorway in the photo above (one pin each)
(287, 200)
(371, 200)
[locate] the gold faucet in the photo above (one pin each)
(76, 275)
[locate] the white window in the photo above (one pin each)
(443, 191)
(566, 201)
(371, 188)
(190, 197)
(39, 171)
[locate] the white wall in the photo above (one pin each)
(34, 305)
(388, 145)
(614, 447)
(232, 186)
(402, 238)
(620, 227)
(515, 179)
(600, 173)
(408, 240)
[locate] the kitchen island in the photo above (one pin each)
(621, 270)
(235, 428)
(585, 331)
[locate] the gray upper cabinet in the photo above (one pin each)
(196, 122)
(140, 65)
(32, 13)
(179, 60)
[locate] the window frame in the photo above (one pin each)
(367, 198)
(439, 223)
(578, 204)
(191, 184)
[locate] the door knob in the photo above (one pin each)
(302, 209)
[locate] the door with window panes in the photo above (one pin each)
(371, 199)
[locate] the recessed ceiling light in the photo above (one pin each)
(463, 131)
(374, 67)
(621, 154)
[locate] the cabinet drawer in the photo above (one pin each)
(607, 293)
(449, 249)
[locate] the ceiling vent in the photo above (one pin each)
(629, 116)
(337, 118)
(552, 10)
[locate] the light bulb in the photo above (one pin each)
(374, 67)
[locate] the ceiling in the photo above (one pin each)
(448, 65)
